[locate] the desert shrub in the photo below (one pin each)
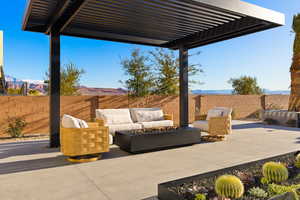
(233, 115)
(228, 186)
(270, 121)
(16, 126)
(200, 197)
(273, 107)
(258, 192)
(275, 172)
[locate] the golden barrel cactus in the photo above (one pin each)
(228, 186)
(275, 172)
(297, 161)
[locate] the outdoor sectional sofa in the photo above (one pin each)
(127, 119)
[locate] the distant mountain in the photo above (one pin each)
(225, 92)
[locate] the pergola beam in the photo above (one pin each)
(65, 11)
(54, 89)
(183, 86)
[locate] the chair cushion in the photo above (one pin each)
(155, 124)
(114, 116)
(146, 114)
(214, 113)
(123, 127)
(111, 139)
(71, 122)
(203, 125)
(226, 111)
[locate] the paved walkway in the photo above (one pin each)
(31, 171)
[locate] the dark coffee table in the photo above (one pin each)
(151, 140)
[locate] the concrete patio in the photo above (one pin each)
(31, 171)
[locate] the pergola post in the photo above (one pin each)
(54, 89)
(183, 86)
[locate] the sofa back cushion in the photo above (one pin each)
(219, 112)
(71, 122)
(114, 116)
(226, 111)
(146, 114)
(214, 113)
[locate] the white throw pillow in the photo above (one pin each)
(149, 115)
(71, 122)
(214, 113)
(114, 116)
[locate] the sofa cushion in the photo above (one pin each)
(203, 125)
(114, 116)
(214, 113)
(146, 114)
(156, 124)
(123, 127)
(71, 122)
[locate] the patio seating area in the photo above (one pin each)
(29, 170)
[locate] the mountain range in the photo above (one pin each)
(84, 90)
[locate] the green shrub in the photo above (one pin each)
(258, 192)
(297, 161)
(274, 189)
(16, 126)
(228, 186)
(200, 197)
(275, 172)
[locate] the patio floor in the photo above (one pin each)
(31, 171)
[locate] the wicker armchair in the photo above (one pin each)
(84, 144)
(215, 125)
(219, 125)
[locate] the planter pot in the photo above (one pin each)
(169, 190)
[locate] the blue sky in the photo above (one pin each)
(265, 55)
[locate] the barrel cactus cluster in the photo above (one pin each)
(275, 172)
(228, 186)
(297, 161)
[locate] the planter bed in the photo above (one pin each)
(150, 140)
(249, 173)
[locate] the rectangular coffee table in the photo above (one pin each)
(135, 142)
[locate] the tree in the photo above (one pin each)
(166, 67)
(294, 102)
(69, 79)
(245, 85)
(140, 80)
(33, 92)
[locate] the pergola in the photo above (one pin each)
(173, 24)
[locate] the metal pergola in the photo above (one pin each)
(173, 24)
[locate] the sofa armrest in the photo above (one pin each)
(168, 117)
(219, 125)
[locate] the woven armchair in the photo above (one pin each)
(76, 142)
(219, 125)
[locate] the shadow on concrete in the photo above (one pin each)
(25, 148)
(261, 125)
(30, 165)
(16, 149)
